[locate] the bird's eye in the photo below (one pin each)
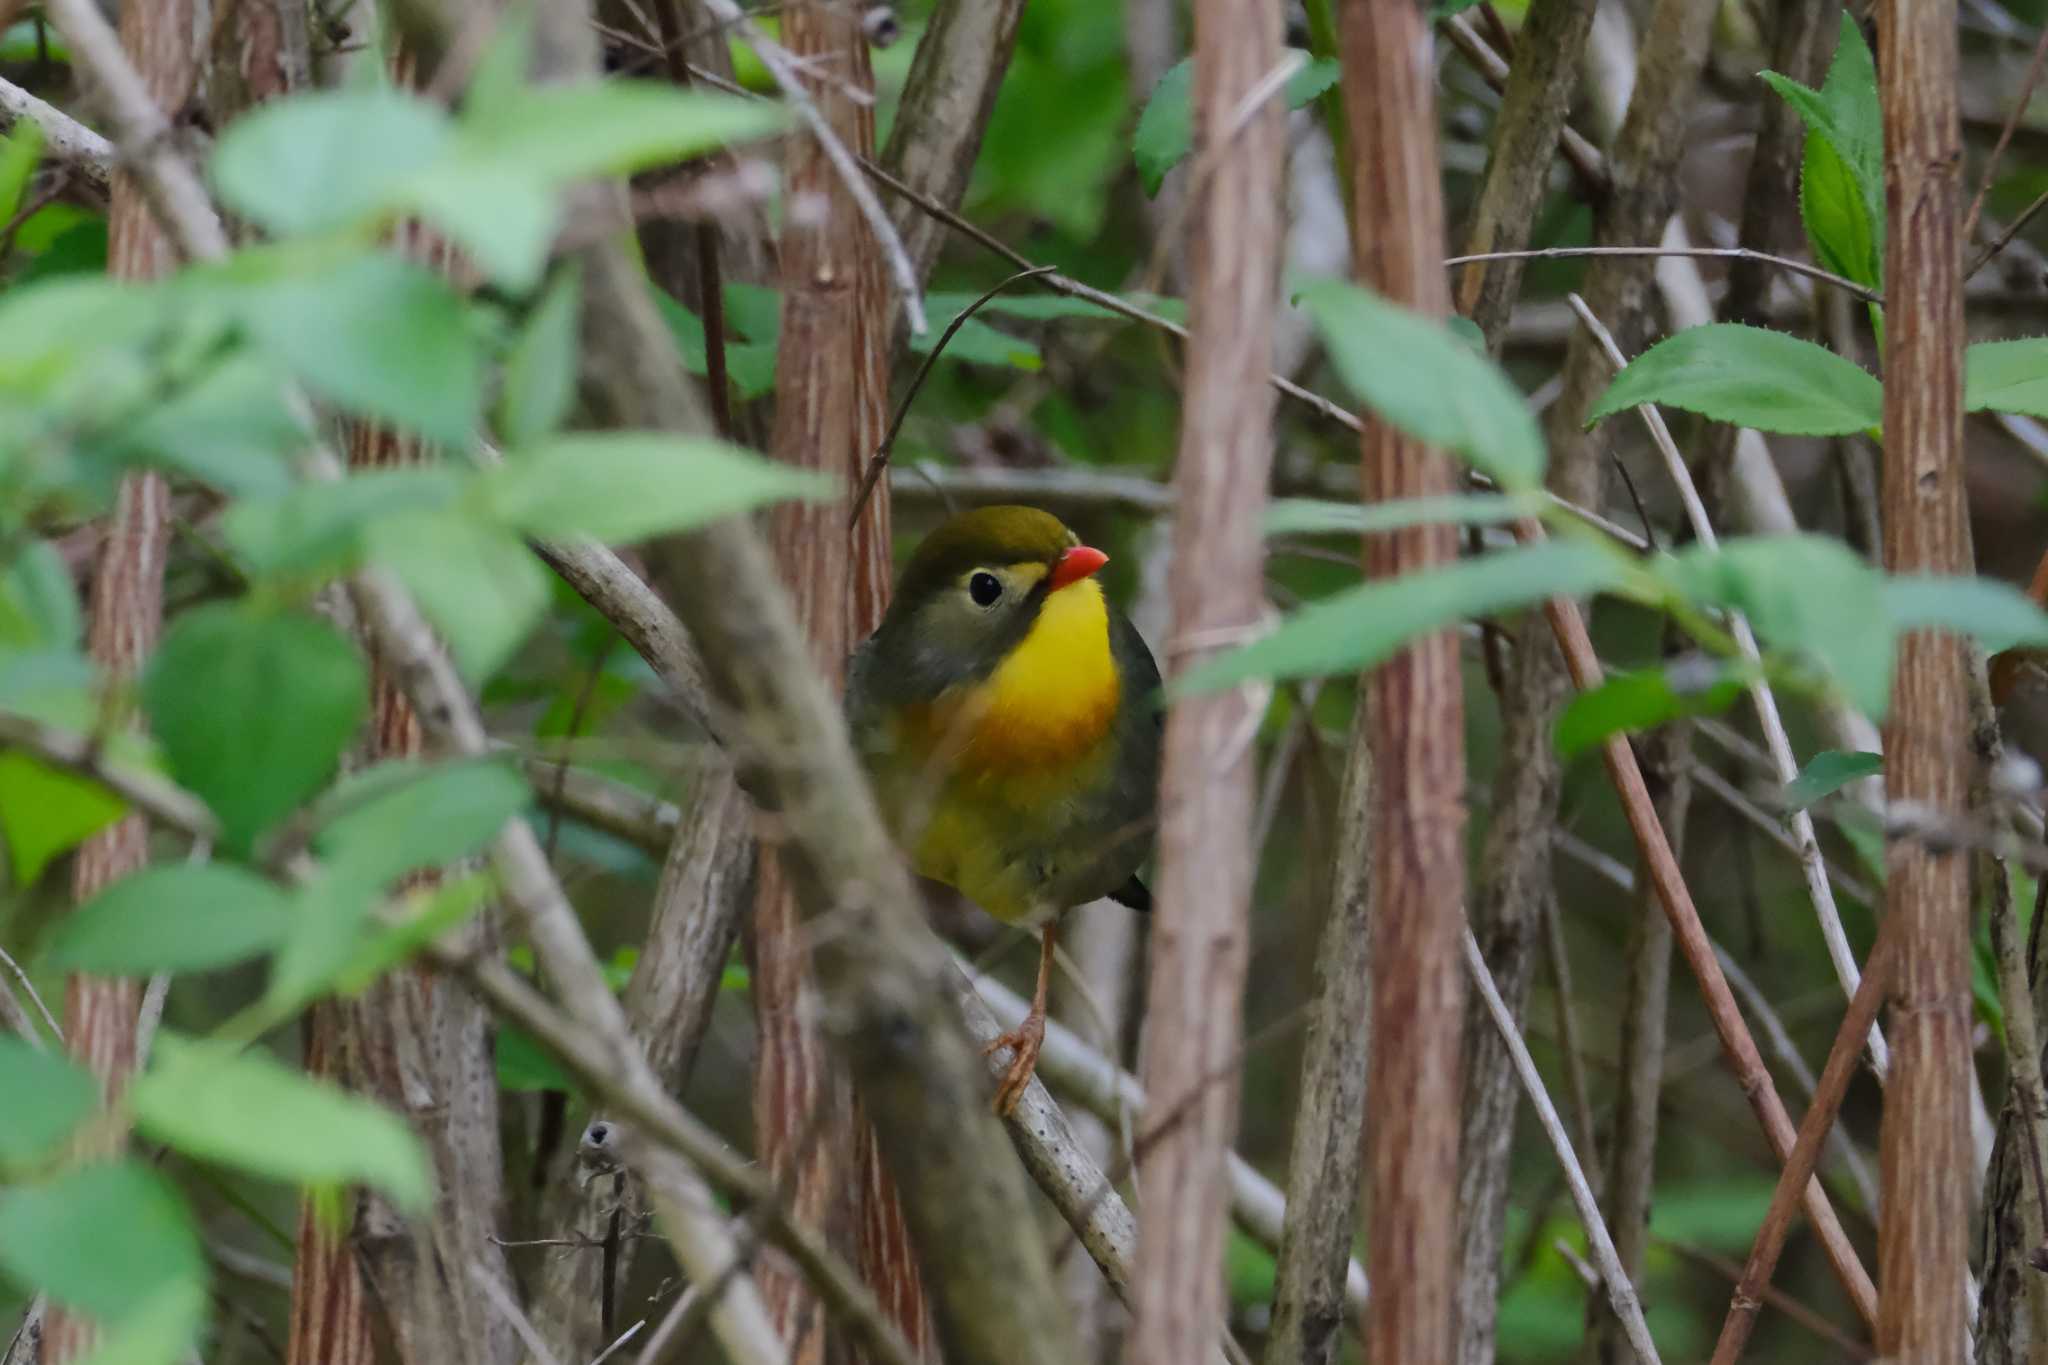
(985, 588)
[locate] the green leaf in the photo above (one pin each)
(478, 584)
(1998, 615)
(626, 486)
(404, 815)
(1827, 773)
(2007, 376)
(232, 429)
(376, 335)
(47, 1097)
(1415, 373)
(1166, 129)
(1845, 238)
(540, 372)
(328, 913)
(181, 918)
(216, 1102)
(1750, 377)
(1315, 516)
(496, 189)
(106, 1239)
(1803, 594)
(524, 1066)
(750, 365)
(977, 343)
(434, 911)
(327, 159)
(39, 601)
(1362, 626)
(253, 708)
(324, 528)
(1642, 700)
(1844, 122)
(20, 151)
(158, 1332)
(45, 810)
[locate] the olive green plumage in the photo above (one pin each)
(1009, 717)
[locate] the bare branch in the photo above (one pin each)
(64, 137)
(1620, 1293)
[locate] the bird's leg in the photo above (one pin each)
(1025, 1040)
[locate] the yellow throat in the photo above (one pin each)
(1051, 700)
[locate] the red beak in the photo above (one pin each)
(1075, 565)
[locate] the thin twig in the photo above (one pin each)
(1721, 253)
(880, 459)
(1766, 702)
(2004, 239)
(1797, 1176)
(1569, 628)
(29, 988)
(1620, 1293)
(2012, 122)
(164, 802)
(512, 1313)
(783, 69)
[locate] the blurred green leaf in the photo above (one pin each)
(479, 584)
(1828, 772)
(216, 1102)
(39, 600)
(1998, 615)
(178, 918)
(47, 1097)
(1803, 594)
(160, 1331)
(1359, 628)
(1166, 129)
(540, 372)
(426, 914)
(625, 486)
(2007, 376)
(20, 151)
(327, 159)
(1751, 377)
(1315, 516)
(749, 365)
(45, 811)
(232, 428)
(1643, 700)
(403, 815)
(1415, 372)
(374, 334)
(324, 528)
(107, 1239)
(253, 708)
(524, 1066)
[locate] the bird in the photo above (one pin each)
(1008, 717)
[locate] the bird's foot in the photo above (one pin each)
(1023, 1043)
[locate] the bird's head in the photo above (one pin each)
(973, 589)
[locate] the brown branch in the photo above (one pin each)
(1668, 881)
(1814, 1128)
(1323, 1166)
(1515, 858)
(1925, 1200)
(1631, 1183)
(126, 617)
(1200, 944)
(1414, 715)
(1534, 101)
(1585, 159)
(2012, 121)
(64, 138)
(944, 110)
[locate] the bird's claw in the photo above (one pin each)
(1023, 1043)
